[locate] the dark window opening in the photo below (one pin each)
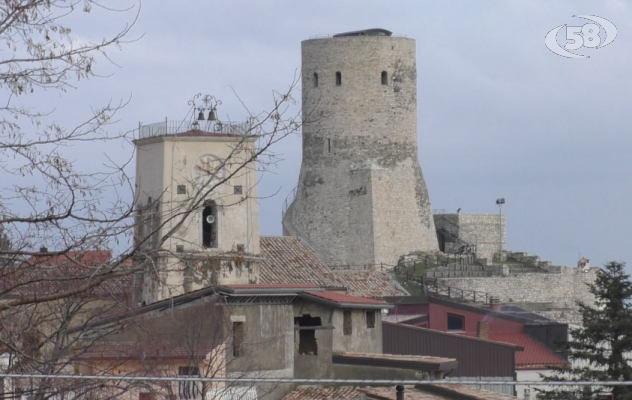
(384, 78)
(346, 323)
(209, 226)
(241, 247)
(338, 79)
(179, 248)
(370, 319)
(456, 322)
(182, 189)
(307, 337)
(238, 339)
(315, 79)
(329, 145)
(238, 189)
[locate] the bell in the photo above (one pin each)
(201, 116)
(211, 115)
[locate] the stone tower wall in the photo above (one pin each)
(361, 197)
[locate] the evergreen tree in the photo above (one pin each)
(597, 351)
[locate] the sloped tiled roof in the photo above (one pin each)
(254, 286)
(435, 392)
(375, 284)
(345, 299)
(44, 275)
(289, 260)
(155, 351)
(535, 354)
(323, 393)
(426, 392)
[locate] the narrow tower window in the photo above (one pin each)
(315, 79)
(329, 145)
(384, 78)
(209, 226)
(338, 79)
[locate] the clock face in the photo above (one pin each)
(206, 171)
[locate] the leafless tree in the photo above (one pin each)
(54, 215)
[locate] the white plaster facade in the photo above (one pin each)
(196, 161)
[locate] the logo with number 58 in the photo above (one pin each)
(597, 34)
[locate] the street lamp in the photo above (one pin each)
(499, 203)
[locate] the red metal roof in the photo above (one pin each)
(271, 286)
(535, 354)
(343, 298)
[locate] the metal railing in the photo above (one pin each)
(433, 286)
(167, 127)
(288, 201)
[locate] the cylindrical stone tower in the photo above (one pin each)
(361, 197)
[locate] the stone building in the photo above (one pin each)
(361, 197)
(479, 234)
(196, 187)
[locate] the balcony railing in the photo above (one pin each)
(167, 127)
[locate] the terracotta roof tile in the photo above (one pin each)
(289, 260)
(436, 392)
(535, 354)
(272, 286)
(135, 352)
(343, 298)
(46, 275)
(323, 393)
(375, 284)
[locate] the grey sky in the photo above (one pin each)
(499, 114)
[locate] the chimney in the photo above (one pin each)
(43, 249)
(482, 330)
(494, 303)
(399, 389)
(527, 394)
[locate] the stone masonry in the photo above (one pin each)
(485, 231)
(361, 196)
(561, 289)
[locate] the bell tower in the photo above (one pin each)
(196, 203)
(361, 197)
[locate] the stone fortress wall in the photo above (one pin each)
(361, 197)
(485, 231)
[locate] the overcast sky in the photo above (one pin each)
(499, 115)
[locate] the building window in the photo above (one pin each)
(384, 78)
(238, 189)
(189, 390)
(338, 79)
(370, 319)
(182, 189)
(179, 248)
(456, 322)
(307, 337)
(347, 326)
(238, 339)
(315, 79)
(209, 226)
(328, 145)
